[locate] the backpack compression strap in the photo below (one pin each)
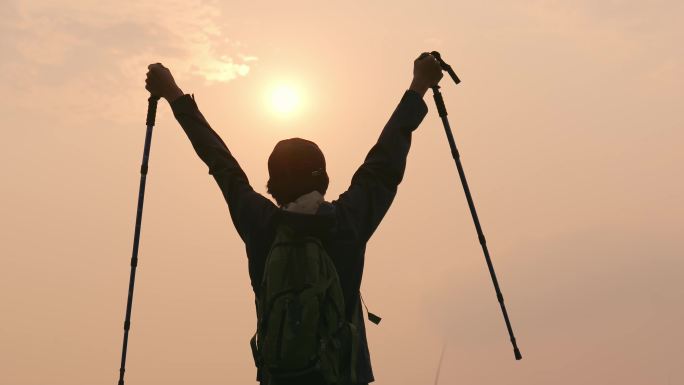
(255, 354)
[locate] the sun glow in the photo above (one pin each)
(285, 99)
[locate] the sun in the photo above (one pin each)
(285, 99)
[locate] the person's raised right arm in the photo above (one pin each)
(248, 209)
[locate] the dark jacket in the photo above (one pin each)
(345, 225)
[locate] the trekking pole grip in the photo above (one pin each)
(151, 109)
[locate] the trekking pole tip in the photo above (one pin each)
(518, 356)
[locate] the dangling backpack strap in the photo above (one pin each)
(354, 331)
(354, 352)
(371, 317)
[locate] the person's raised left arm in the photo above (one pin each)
(374, 184)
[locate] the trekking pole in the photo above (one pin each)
(441, 108)
(151, 112)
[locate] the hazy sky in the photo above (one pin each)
(569, 122)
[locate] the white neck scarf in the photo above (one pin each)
(305, 204)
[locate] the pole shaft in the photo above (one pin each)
(441, 108)
(151, 112)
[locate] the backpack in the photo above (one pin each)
(301, 325)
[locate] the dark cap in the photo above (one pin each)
(296, 157)
(296, 167)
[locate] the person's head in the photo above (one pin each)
(296, 167)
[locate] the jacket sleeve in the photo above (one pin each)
(374, 184)
(249, 210)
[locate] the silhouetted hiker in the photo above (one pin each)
(298, 182)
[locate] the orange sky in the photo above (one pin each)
(569, 124)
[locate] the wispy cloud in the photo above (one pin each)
(102, 48)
